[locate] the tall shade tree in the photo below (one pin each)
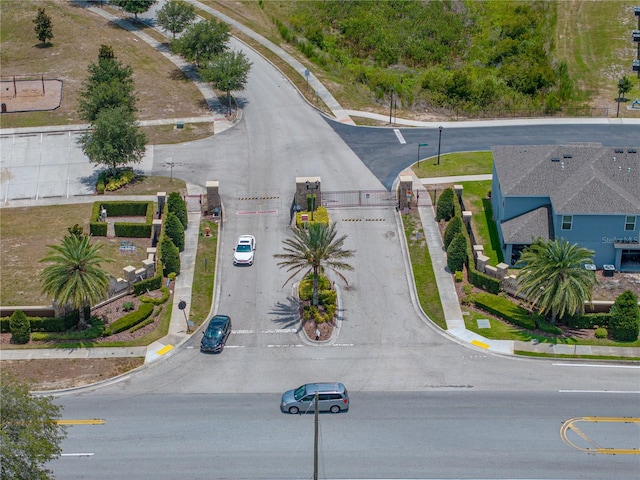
(202, 41)
(43, 26)
(313, 250)
(114, 139)
(554, 279)
(30, 436)
(175, 16)
(74, 276)
(109, 84)
(227, 71)
(134, 6)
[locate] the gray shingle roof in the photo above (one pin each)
(528, 227)
(583, 179)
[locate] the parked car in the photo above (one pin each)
(332, 397)
(216, 334)
(244, 251)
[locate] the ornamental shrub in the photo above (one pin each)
(170, 256)
(625, 317)
(454, 227)
(601, 332)
(175, 230)
(445, 208)
(20, 327)
(457, 253)
(176, 205)
(130, 319)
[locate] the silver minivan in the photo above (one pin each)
(332, 397)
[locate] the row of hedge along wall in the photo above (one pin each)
(48, 324)
(476, 278)
(123, 209)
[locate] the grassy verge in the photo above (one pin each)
(484, 227)
(452, 164)
(425, 280)
(204, 274)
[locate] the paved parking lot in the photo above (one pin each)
(44, 165)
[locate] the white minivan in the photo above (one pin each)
(332, 397)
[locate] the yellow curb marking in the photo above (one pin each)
(165, 349)
(570, 425)
(92, 421)
(479, 344)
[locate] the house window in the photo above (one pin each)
(567, 220)
(630, 223)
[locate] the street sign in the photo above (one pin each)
(423, 144)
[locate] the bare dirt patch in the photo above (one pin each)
(55, 374)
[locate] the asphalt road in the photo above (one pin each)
(445, 434)
(194, 416)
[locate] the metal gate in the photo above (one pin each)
(359, 198)
(194, 202)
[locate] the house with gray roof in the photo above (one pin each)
(585, 193)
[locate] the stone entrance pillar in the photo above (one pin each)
(405, 193)
(214, 204)
(308, 186)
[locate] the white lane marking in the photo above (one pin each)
(242, 331)
(284, 346)
(343, 345)
(399, 135)
(76, 454)
(600, 391)
(233, 346)
(280, 330)
(594, 365)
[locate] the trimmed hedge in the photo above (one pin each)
(176, 204)
(48, 324)
(588, 320)
(123, 209)
(445, 209)
(505, 309)
(157, 301)
(95, 330)
(148, 284)
(130, 319)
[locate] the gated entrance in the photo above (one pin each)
(359, 198)
(193, 203)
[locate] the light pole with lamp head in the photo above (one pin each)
(439, 141)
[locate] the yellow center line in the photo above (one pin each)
(90, 421)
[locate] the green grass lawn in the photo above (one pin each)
(475, 199)
(453, 164)
(204, 274)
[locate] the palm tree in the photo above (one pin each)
(74, 277)
(554, 278)
(314, 249)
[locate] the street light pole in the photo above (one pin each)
(439, 141)
(391, 107)
(229, 95)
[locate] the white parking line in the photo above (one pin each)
(281, 330)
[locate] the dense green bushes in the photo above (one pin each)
(130, 319)
(20, 327)
(177, 206)
(624, 324)
(445, 207)
(48, 324)
(468, 56)
(148, 284)
(170, 256)
(454, 227)
(174, 230)
(457, 253)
